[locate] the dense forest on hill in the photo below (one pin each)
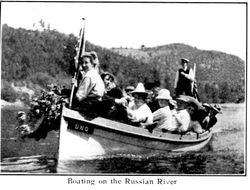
(220, 76)
(36, 58)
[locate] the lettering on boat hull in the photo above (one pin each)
(80, 126)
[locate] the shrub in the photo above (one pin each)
(42, 79)
(25, 98)
(8, 93)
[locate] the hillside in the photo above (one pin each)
(34, 59)
(215, 71)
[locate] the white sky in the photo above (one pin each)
(213, 26)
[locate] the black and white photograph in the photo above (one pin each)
(131, 89)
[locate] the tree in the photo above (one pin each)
(224, 92)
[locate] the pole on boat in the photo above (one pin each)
(80, 49)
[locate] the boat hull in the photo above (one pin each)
(82, 139)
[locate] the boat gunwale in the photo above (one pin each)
(178, 138)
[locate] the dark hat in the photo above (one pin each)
(184, 60)
(103, 75)
(190, 100)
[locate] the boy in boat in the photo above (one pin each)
(91, 88)
(140, 114)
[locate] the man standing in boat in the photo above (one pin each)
(183, 80)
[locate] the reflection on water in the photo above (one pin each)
(207, 162)
(30, 164)
(224, 155)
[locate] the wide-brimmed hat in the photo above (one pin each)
(190, 100)
(140, 89)
(163, 94)
(206, 105)
(184, 60)
(217, 108)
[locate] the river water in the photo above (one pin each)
(225, 155)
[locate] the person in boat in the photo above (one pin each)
(184, 119)
(130, 99)
(183, 80)
(111, 87)
(65, 92)
(91, 88)
(180, 117)
(210, 120)
(113, 99)
(163, 116)
(140, 114)
(153, 103)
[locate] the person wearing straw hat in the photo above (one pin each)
(140, 113)
(183, 79)
(91, 88)
(163, 116)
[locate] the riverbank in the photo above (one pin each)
(17, 104)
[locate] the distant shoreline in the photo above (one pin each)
(18, 104)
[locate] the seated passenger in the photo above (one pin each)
(140, 113)
(187, 120)
(211, 119)
(153, 103)
(163, 116)
(194, 124)
(91, 88)
(112, 102)
(130, 99)
(181, 117)
(111, 89)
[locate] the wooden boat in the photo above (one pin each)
(83, 139)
